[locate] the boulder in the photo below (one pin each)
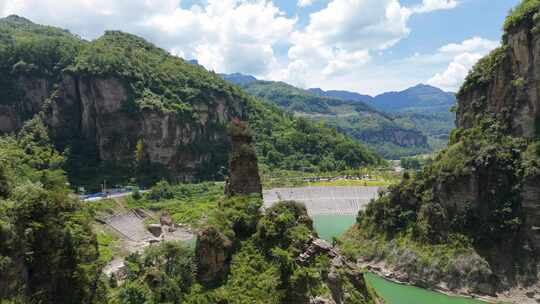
(166, 220)
(155, 229)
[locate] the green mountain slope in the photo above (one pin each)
(124, 108)
(377, 130)
(422, 107)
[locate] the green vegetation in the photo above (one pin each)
(162, 274)
(484, 70)
(416, 163)
(526, 10)
(365, 176)
(437, 126)
(416, 204)
(158, 82)
(354, 118)
(263, 268)
(451, 211)
(299, 144)
(44, 232)
(189, 204)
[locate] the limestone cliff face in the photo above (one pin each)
(512, 91)
(96, 111)
(398, 136)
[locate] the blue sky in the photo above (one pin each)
(369, 46)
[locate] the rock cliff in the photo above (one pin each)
(94, 110)
(213, 254)
(244, 176)
(470, 221)
(120, 107)
(506, 85)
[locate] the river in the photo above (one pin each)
(394, 293)
(329, 226)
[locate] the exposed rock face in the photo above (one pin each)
(244, 176)
(512, 94)
(531, 207)
(155, 229)
(97, 111)
(400, 137)
(213, 252)
(514, 88)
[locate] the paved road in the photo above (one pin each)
(98, 198)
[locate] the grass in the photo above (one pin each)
(378, 177)
(103, 207)
(190, 205)
(108, 244)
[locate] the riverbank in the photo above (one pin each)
(517, 295)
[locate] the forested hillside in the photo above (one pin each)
(121, 107)
(48, 252)
(375, 129)
(422, 107)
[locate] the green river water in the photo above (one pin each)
(329, 226)
(332, 225)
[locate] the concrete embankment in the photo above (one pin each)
(324, 200)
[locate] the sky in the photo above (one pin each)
(366, 46)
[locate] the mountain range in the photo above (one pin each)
(395, 124)
(124, 108)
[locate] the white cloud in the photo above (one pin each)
(340, 47)
(304, 3)
(452, 78)
(224, 35)
(339, 38)
(475, 44)
(434, 5)
(464, 56)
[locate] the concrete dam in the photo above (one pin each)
(324, 200)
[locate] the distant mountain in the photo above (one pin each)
(422, 107)
(342, 94)
(418, 98)
(380, 131)
(238, 78)
(422, 97)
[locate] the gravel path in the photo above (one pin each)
(324, 200)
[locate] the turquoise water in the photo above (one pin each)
(394, 293)
(329, 226)
(332, 225)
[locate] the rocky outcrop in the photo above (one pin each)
(340, 272)
(531, 207)
(509, 87)
(244, 176)
(213, 253)
(506, 85)
(397, 136)
(99, 112)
